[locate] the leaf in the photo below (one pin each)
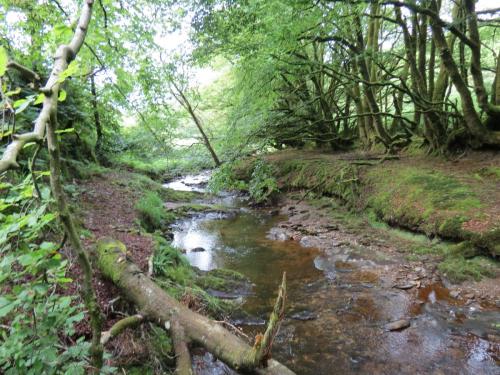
(13, 92)
(72, 68)
(68, 130)
(6, 306)
(39, 99)
(21, 104)
(62, 95)
(4, 59)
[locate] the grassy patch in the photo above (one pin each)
(151, 166)
(151, 212)
(173, 273)
(458, 269)
(490, 172)
(222, 280)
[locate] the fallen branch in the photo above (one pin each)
(182, 356)
(262, 347)
(120, 326)
(164, 310)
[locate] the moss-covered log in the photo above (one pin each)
(161, 308)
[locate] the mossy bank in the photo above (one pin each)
(453, 200)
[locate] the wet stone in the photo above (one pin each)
(405, 286)
(397, 325)
(198, 250)
(455, 294)
(304, 315)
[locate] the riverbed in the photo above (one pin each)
(346, 292)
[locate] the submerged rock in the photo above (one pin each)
(397, 325)
(198, 250)
(304, 315)
(278, 234)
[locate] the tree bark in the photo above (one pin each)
(164, 310)
(97, 122)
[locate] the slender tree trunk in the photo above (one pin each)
(472, 120)
(97, 121)
(182, 99)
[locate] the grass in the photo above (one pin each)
(458, 269)
(173, 273)
(154, 167)
(151, 213)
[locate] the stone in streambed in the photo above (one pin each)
(397, 325)
(197, 250)
(304, 315)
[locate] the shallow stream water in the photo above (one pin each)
(337, 307)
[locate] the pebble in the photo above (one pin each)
(397, 325)
(198, 250)
(455, 294)
(404, 286)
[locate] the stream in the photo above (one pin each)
(338, 304)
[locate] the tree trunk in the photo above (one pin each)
(182, 99)
(156, 305)
(472, 120)
(97, 123)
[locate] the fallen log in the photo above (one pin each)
(157, 306)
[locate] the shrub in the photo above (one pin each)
(262, 184)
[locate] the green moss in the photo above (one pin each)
(452, 227)
(423, 200)
(465, 249)
(109, 252)
(490, 172)
(221, 279)
(489, 240)
(179, 196)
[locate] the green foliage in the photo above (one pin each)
(224, 178)
(262, 185)
(459, 269)
(152, 214)
(167, 261)
(34, 315)
(173, 272)
(430, 201)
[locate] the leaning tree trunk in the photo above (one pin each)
(157, 306)
(47, 122)
(183, 101)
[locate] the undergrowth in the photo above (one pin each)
(173, 272)
(151, 212)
